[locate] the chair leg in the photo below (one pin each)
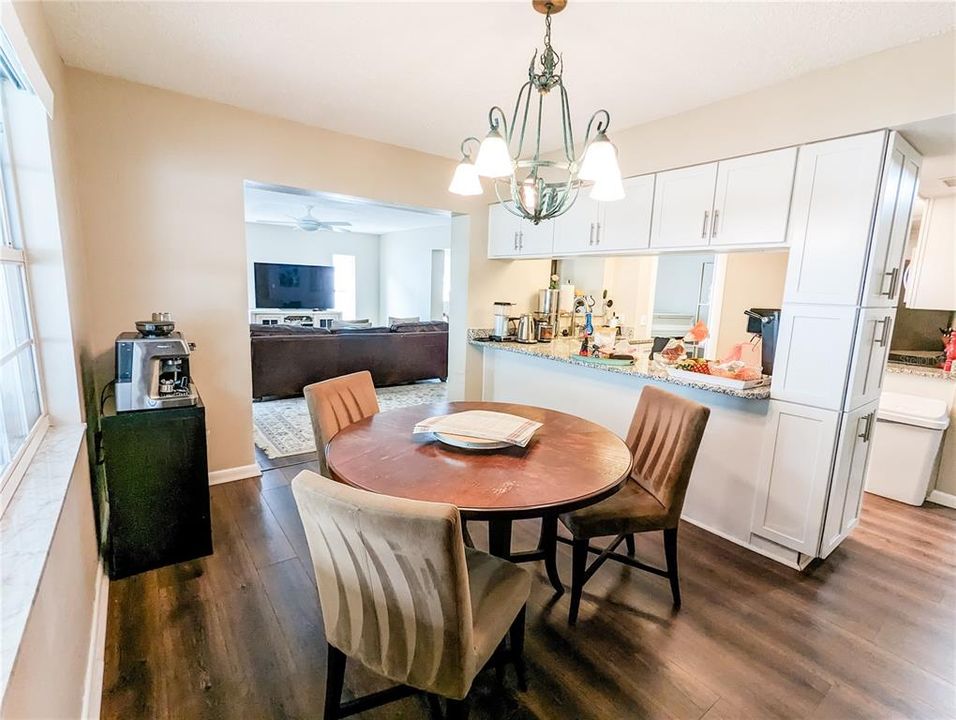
(548, 543)
(670, 554)
(579, 559)
(629, 540)
(334, 680)
(516, 638)
(456, 709)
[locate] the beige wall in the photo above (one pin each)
(750, 280)
(160, 193)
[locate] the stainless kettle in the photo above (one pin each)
(526, 332)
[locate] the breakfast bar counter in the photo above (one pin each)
(565, 350)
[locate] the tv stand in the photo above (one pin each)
(294, 316)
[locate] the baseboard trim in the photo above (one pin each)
(942, 498)
(96, 659)
(743, 544)
(236, 473)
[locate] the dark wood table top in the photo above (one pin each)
(570, 462)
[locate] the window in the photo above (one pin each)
(344, 266)
(21, 403)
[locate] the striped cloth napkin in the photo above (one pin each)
(483, 424)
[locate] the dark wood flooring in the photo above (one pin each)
(867, 634)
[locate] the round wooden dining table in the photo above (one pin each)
(570, 463)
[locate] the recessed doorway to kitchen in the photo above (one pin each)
(337, 285)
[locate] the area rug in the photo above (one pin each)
(283, 427)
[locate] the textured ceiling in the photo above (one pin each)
(423, 75)
(273, 204)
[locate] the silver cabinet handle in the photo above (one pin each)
(521, 239)
(894, 275)
(516, 239)
(598, 241)
(713, 229)
(867, 428)
(703, 230)
(884, 338)
(591, 235)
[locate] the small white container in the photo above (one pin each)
(906, 441)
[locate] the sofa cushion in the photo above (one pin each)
(258, 330)
(403, 320)
(359, 330)
(351, 324)
(429, 326)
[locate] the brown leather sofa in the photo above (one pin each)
(286, 358)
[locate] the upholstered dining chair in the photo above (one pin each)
(403, 596)
(664, 438)
(337, 403)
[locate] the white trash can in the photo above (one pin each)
(906, 442)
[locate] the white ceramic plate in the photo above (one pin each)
(470, 443)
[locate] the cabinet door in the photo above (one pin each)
(752, 202)
(897, 192)
(871, 348)
(535, 239)
(575, 231)
(794, 475)
(626, 224)
(834, 196)
(931, 284)
(502, 232)
(846, 488)
(683, 200)
(813, 349)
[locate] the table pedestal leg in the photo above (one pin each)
(499, 538)
(548, 546)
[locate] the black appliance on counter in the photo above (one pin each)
(765, 322)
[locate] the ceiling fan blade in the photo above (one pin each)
(278, 223)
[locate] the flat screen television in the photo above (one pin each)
(309, 287)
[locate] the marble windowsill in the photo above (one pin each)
(565, 351)
(26, 534)
(920, 371)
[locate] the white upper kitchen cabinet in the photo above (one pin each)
(794, 475)
(871, 349)
(931, 278)
(502, 232)
(752, 201)
(512, 237)
(626, 224)
(831, 217)
(683, 201)
(897, 193)
(535, 240)
(849, 473)
(813, 351)
(575, 230)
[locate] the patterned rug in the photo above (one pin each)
(283, 427)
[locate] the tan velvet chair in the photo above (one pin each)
(664, 437)
(402, 595)
(337, 403)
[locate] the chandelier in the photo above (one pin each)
(536, 188)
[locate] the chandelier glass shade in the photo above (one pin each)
(529, 185)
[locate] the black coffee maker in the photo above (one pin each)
(765, 322)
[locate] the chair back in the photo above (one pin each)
(664, 439)
(337, 403)
(393, 582)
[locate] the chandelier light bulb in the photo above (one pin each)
(608, 190)
(494, 159)
(530, 198)
(600, 162)
(465, 181)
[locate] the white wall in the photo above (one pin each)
(271, 243)
(406, 270)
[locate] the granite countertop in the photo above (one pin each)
(565, 350)
(920, 371)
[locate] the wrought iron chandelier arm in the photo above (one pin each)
(602, 124)
(524, 92)
(567, 131)
(464, 143)
(499, 122)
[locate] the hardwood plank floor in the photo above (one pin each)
(870, 633)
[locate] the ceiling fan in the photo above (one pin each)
(310, 223)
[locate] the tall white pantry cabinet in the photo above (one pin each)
(849, 219)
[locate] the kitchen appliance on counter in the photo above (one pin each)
(503, 327)
(526, 329)
(152, 368)
(765, 322)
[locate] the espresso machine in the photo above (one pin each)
(765, 322)
(504, 327)
(152, 368)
